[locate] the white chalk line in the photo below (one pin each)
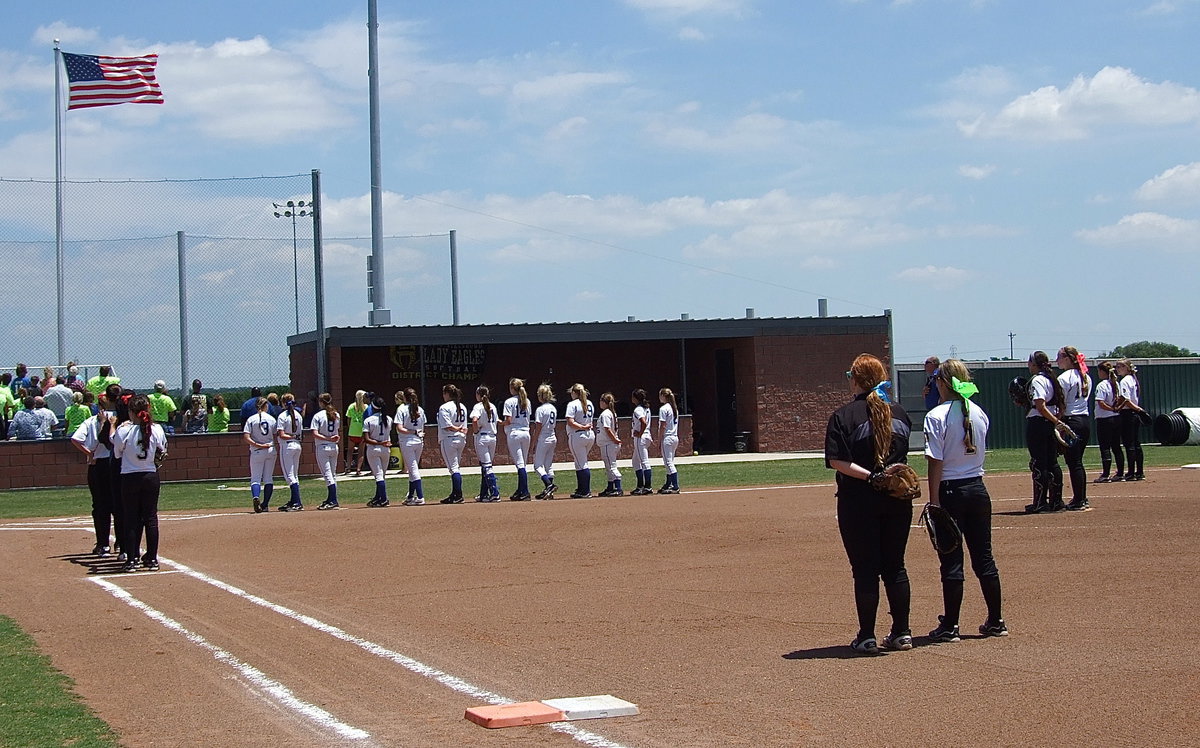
(271, 687)
(452, 682)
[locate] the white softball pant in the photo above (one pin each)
(641, 454)
(485, 450)
(452, 449)
(543, 456)
(289, 461)
(518, 447)
(262, 465)
(327, 459)
(669, 445)
(581, 443)
(608, 453)
(377, 459)
(412, 458)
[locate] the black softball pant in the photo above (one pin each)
(99, 480)
(1108, 434)
(1131, 438)
(874, 531)
(139, 501)
(1043, 461)
(1082, 427)
(968, 502)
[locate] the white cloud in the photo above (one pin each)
(678, 8)
(567, 128)
(692, 34)
(1113, 97)
(563, 85)
(932, 275)
(1150, 230)
(976, 172)
(67, 34)
(1177, 183)
(755, 132)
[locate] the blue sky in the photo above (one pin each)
(977, 166)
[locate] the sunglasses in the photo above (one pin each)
(849, 375)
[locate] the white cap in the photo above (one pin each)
(160, 385)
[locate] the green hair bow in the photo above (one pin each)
(965, 390)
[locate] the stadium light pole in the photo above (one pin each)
(294, 209)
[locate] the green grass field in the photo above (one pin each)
(37, 706)
(59, 502)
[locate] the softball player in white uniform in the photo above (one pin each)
(545, 439)
(258, 432)
(289, 427)
(410, 424)
(452, 438)
(516, 430)
(668, 437)
(610, 444)
(484, 418)
(377, 435)
(580, 414)
(642, 437)
(327, 433)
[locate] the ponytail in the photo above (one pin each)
(955, 374)
(518, 388)
(289, 402)
(486, 401)
(869, 375)
(639, 396)
(455, 395)
(414, 404)
(326, 401)
(139, 410)
(1079, 363)
(1042, 361)
(666, 392)
(385, 422)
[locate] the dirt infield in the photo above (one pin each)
(724, 615)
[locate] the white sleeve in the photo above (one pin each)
(935, 435)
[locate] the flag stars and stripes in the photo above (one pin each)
(97, 80)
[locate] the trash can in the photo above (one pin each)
(741, 441)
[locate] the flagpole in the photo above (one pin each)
(58, 201)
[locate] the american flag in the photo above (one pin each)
(96, 80)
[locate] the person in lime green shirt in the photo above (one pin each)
(162, 407)
(97, 384)
(218, 419)
(8, 406)
(78, 411)
(354, 430)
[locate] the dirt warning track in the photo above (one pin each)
(723, 615)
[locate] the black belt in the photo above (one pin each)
(956, 482)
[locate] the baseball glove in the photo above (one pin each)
(1065, 437)
(1018, 391)
(1144, 418)
(898, 481)
(943, 531)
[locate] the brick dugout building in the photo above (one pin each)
(771, 382)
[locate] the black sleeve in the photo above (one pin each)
(837, 444)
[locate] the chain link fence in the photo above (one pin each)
(248, 277)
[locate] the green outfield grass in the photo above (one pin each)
(37, 706)
(59, 502)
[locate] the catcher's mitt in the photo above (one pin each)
(1144, 418)
(1066, 438)
(943, 531)
(1018, 390)
(898, 481)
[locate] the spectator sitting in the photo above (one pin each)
(49, 377)
(25, 423)
(74, 381)
(35, 385)
(79, 410)
(195, 419)
(162, 407)
(250, 407)
(218, 420)
(48, 421)
(58, 398)
(100, 382)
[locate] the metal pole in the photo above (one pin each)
(319, 281)
(379, 313)
(295, 271)
(59, 262)
(454, 273)
(180, 248)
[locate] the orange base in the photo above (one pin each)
(513, 715)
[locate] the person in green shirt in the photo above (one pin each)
(354, 431)
(99, 383)
(218, 419)
(8, 406)
(78, 411)
(162, 407)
